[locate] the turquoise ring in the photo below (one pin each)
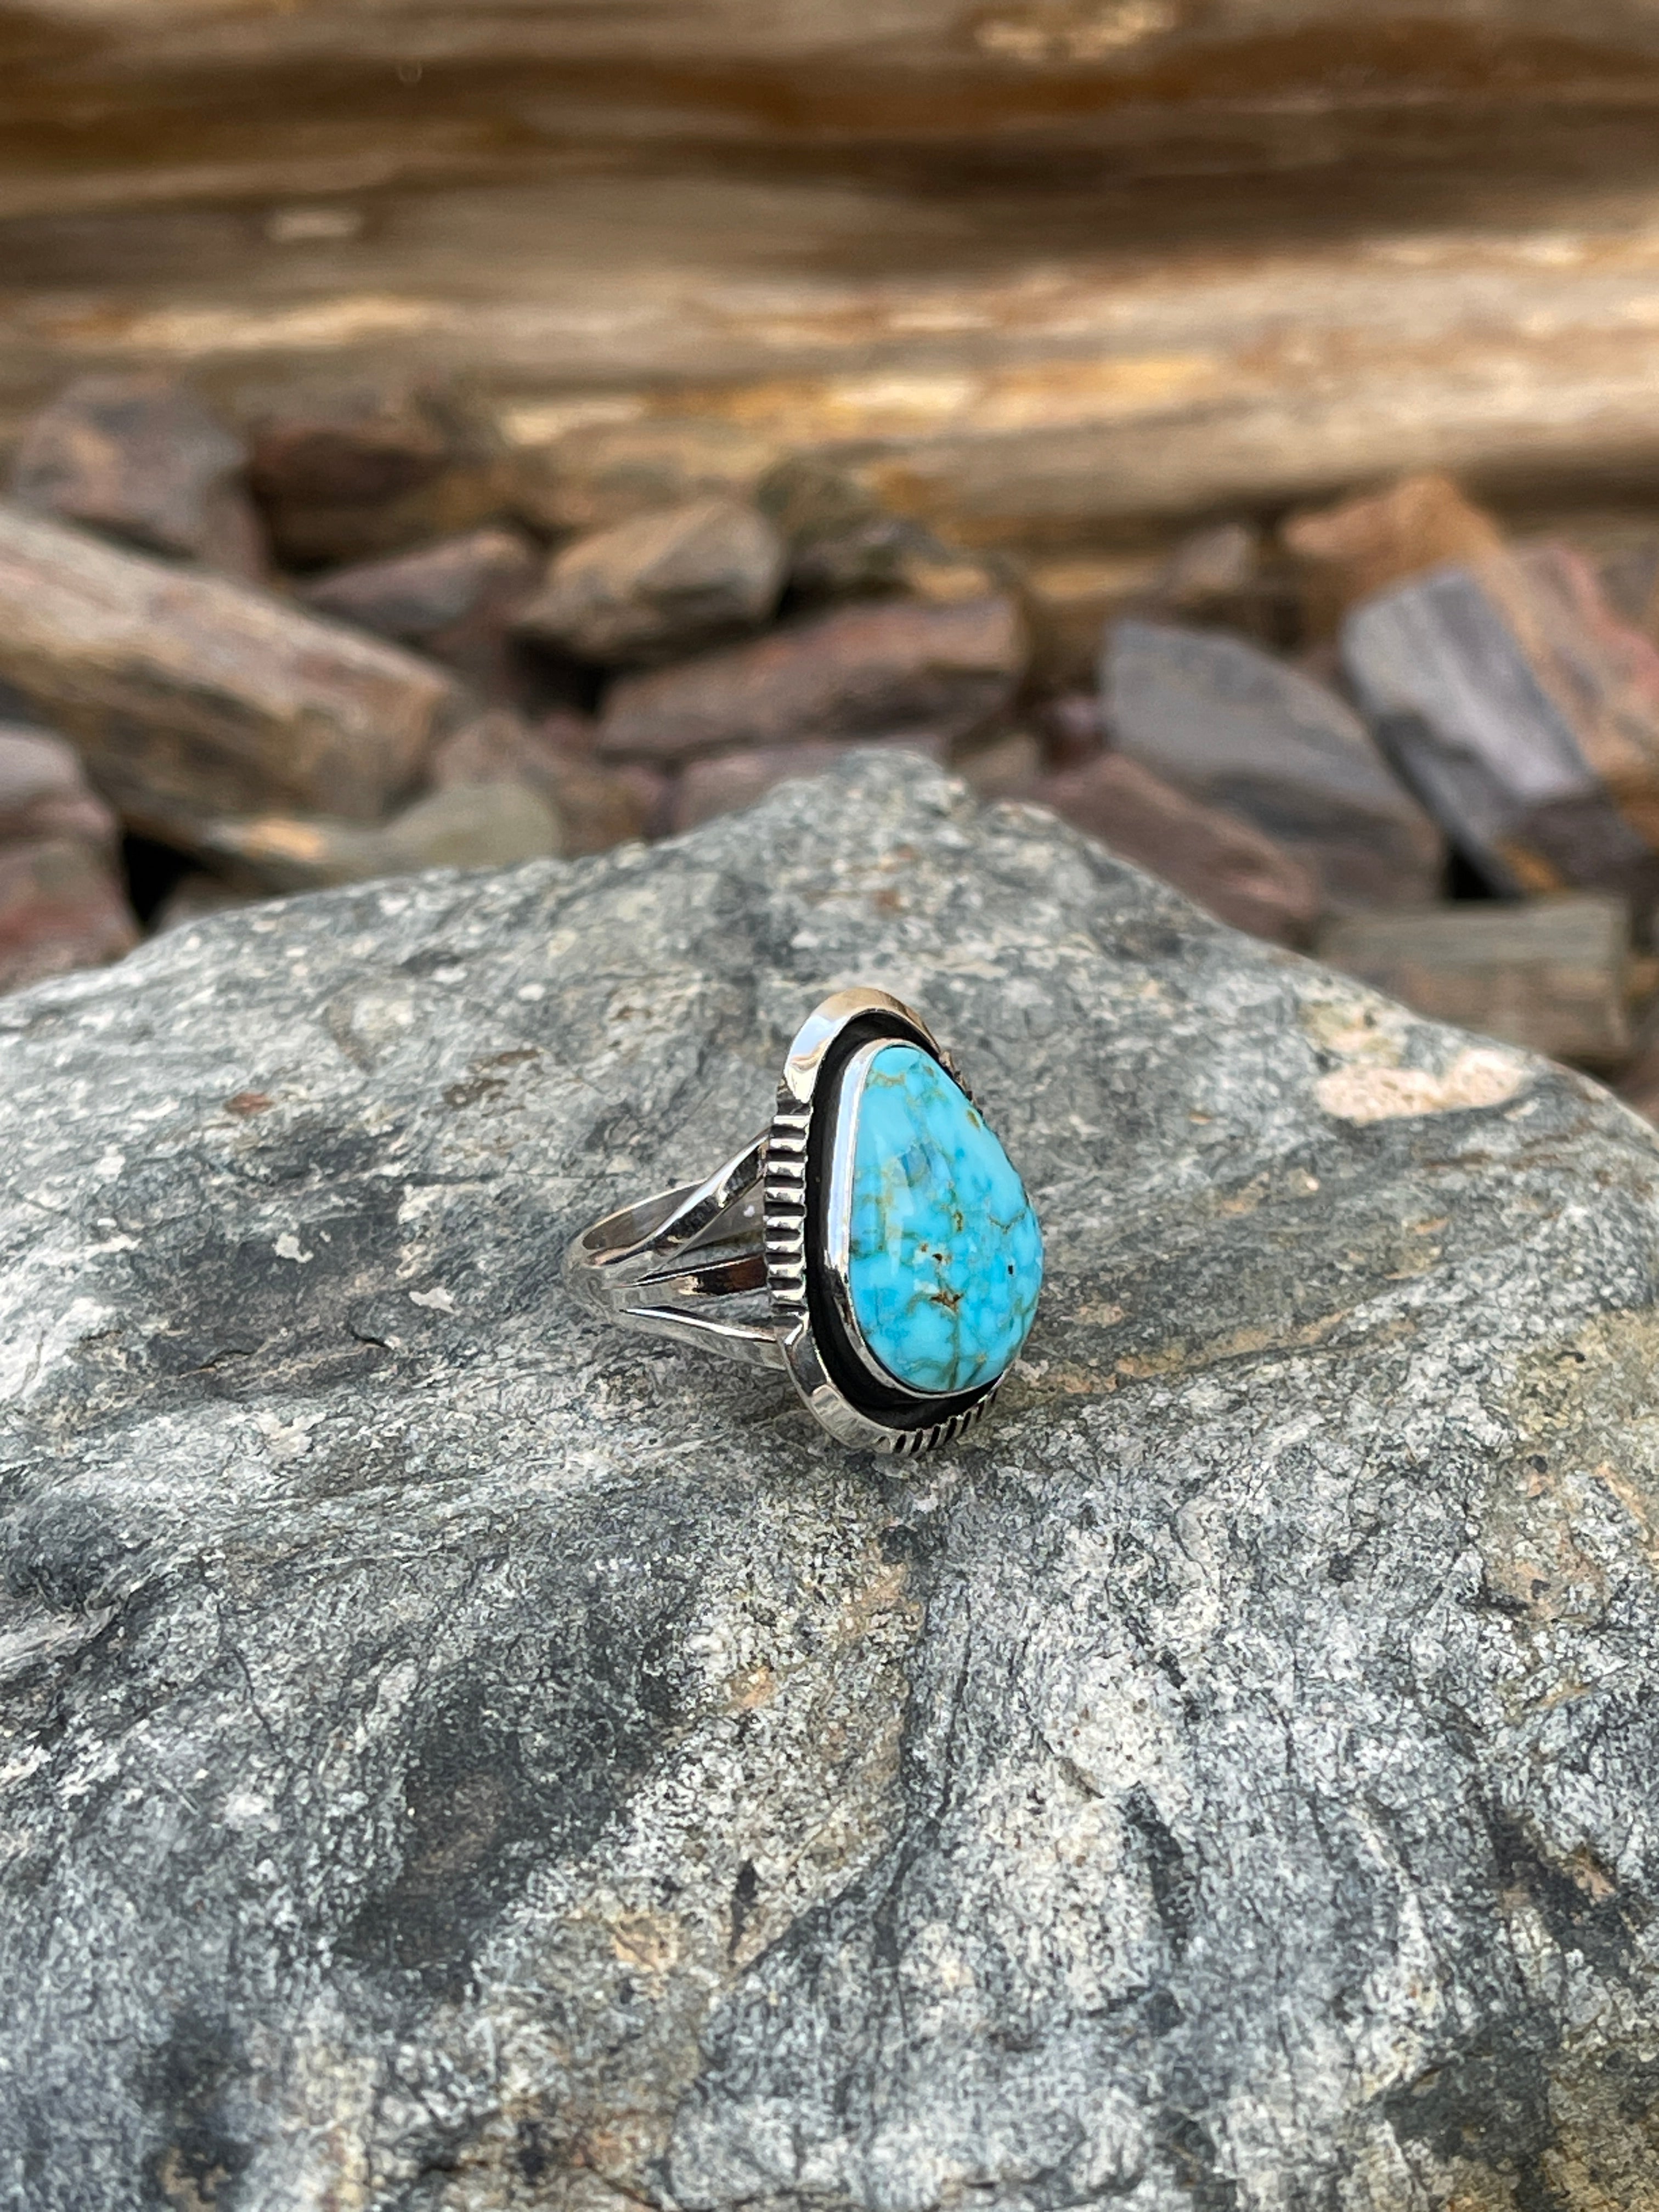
(875, 1241)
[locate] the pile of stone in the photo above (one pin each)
(1460, 711)
(353, 640)
(358, 636)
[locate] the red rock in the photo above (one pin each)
(596, 474)
(601, 807)
(1602, 671)
(1350, 552)
(1241, 730)
(453, 600)
(1628, 573)
(568, 732)
(345, 472)
(668, 583)
(44, 793)
(141, 459)
(1071, 726)
(189, 696)
(884, 669)
(1229, 868)
(1525, 716)
(61, 908)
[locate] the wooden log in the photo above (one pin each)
(1237, 85)
(1548, 974)
(191, 696)
(1216, 355)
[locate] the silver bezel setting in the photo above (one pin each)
(750, 1262)
(884, 1415)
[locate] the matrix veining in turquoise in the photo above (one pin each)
(945, 1259)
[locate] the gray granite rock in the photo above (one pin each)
(458, 1758)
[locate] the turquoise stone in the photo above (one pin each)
(944, 1258)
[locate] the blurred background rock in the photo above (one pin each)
(622, 408)
(1055, 267)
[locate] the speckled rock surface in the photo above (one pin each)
(456, 1758)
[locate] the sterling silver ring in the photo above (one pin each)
(874, 1241)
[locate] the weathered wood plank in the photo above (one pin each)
(912, 333)
(1138, 84)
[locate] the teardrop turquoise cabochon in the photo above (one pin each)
(944, 1258)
